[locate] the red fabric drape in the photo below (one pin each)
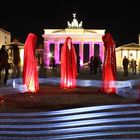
(68, 65)
(30, 74)
(109, 66)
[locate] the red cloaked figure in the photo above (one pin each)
(30, 73)
(68, 65)
(109, 66)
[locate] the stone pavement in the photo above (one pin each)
(75, 114)
(114, 122)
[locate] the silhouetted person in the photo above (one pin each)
(125, 64)
(16, 60)
(4, 65)
(91, 64)
(133, 66)
(78, 64)
(100, 63)
(96, 63)
(53, 65)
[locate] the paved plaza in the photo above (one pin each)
(75, 114)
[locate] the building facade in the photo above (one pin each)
(87, 42)
(5, 37)
(131, 51)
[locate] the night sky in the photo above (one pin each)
(121, 19)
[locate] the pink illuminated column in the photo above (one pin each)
(91, 49)
(101, 51)
(46, 53)
(81, 53)
(56, 52)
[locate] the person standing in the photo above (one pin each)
(30, 73)
(4, 65)
(53, 65)
(109, 74)
(96, 63)
(78, 64)
(133, 66)
(91, 65)
(16, 58)
(68, 65)
(125, 64)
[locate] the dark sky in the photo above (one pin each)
(122, 18)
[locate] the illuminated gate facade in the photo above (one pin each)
(87, 42)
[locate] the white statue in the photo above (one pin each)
(69, 25)
(80, 24)
(74, 23)
(74, 15)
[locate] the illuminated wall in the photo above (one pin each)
(5, 37)
(79, 36)
(139, 39)
(131, 51)
(21, 51)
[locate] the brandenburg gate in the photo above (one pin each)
(87, 42)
